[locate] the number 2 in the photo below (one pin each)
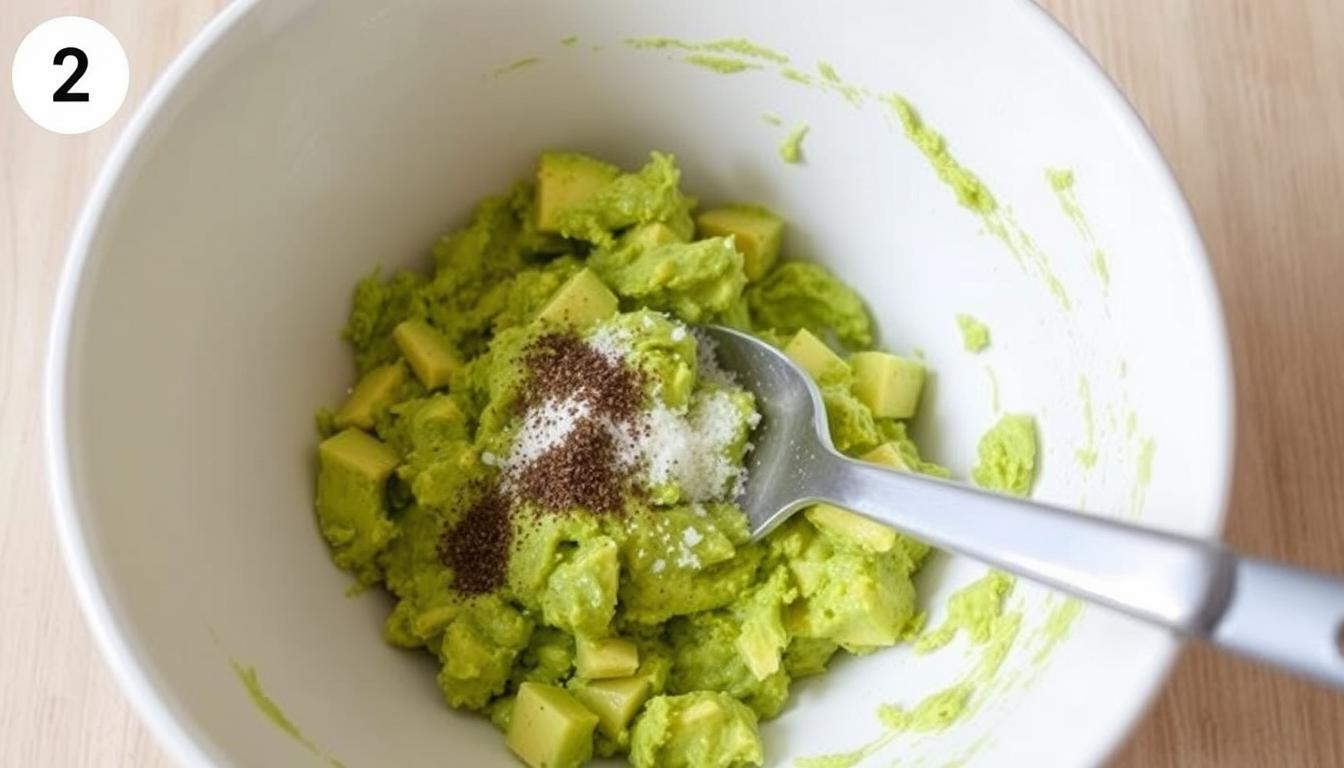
(81, 66)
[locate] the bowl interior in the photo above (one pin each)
(310, 142)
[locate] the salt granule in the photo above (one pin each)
(545, 427)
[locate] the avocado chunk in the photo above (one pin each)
(856, 599)
(351, 511)
(615, 702)
(1008, 456)
(847, 526)
(654, 670)
(651, 235)
(549, 728)
(566, 180)
(756, 232)
(692, 281)
(812, 355)
(888, 455)
(480, 647)
(607, 657)
(705, 729)
(438, 422)
(429, 354)
(582, 300)
(761, 651)
(762, 638)
(580, 594)
(374, 392)
(889, 385)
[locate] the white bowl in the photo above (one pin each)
(295, 145)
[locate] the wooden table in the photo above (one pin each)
(1246, 97)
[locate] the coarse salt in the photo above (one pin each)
(690, 449)
(544, 427)
(612, 342)
(707, 360)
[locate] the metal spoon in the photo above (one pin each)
(1278, 614)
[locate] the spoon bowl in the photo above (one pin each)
(791, 444)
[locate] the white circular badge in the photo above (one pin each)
(70, 74)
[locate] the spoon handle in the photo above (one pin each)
(1286, 616)
(1275, 613)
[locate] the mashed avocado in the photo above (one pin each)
(539, 457)
(974, 334)
(1008, 456)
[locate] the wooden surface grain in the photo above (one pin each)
(1246, 98)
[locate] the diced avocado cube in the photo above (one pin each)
(651, 235)
(607, 657)
(760, 648)
(582, 300)
(549, 728)
(614, 701)
(566, 180)
(848, 526)
(360, 455)
(756, 232)
(431, 622)
(888, 455)
(429, 354)
(889, 385)
(812, 354)
(351, 510)
(375, 390)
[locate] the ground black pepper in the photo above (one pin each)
(477, 548)
(561, 365)
(583, 471)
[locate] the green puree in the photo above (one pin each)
(974, 334)
(1061, 181)
(733, 46)
(791, 149)
(267, 706)
(637, 619)
(724, 65)
(975, 196)
(1008, 456)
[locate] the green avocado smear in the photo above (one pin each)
(539, 457)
